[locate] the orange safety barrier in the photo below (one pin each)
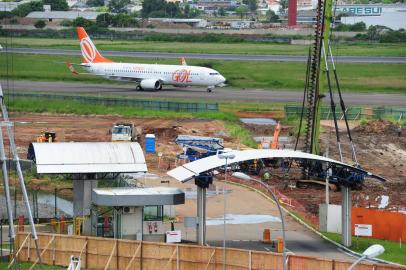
(267, 236)
(280, 245)
(386, 225)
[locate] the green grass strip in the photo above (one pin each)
(384, 78)
(394, 252)
(353, 49)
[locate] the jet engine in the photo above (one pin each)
(151, 84)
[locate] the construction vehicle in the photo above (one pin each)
(45, 137)
(274, 144)
(197, 147)
(125, 132)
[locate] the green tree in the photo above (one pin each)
(252, 4)
(124, 20)
(284, 5)
(272, 17)
(222, 12)
(186, 11)
(118, 6)
(23, 9)
(241, 11)
(80, 21)
(57, 4)
(104, 20)
(95, 3)
(40, 24)
(150, 6)
(173, 10)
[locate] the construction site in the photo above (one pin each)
(313, 185)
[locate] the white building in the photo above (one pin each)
(392, 16)
(63, 15)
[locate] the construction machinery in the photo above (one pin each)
(125, 132)
(197, 147)
(47, 136)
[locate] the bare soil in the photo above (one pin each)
(379, 149)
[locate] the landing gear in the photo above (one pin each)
(209, 89)
(139, 88)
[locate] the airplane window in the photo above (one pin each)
(214, 73)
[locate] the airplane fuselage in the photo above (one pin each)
(177, 75)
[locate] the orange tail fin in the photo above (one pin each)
(90, 53)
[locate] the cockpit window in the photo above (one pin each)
(214, 73)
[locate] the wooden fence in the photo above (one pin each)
(103, 253)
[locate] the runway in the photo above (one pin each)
(225, 57)
(228, 94)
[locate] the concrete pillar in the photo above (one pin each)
(201, 216)
(346, 215)
(82, 202)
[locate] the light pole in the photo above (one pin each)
(371, 252)
(226, 156)
(243, 176)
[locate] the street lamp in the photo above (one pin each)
(371, 252)
(226, 156)
(243, 176)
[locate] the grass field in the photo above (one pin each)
(240, 74)
(26, 266)
(356, 49)
(393, 252)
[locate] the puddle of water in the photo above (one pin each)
(62, 204)
(242, 219)
(259, 121)
(141, 176)
(191, 193)
(283, 139)
(46, 204)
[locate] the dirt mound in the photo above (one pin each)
(377, 127)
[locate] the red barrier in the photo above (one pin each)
(21, 223)
(385, 224)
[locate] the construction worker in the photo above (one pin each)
(399, 130)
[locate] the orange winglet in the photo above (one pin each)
(71, 68)
(90, 53)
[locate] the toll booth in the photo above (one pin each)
(137, 212)
(87, 162)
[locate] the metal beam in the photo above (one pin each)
(201, 215)
(346, 215)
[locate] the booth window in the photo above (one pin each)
(153, 213)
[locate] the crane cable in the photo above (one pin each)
(342, 104)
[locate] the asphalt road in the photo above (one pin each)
(218, 94)
(229, 57)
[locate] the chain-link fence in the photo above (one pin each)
(353, 113)
(128, 102)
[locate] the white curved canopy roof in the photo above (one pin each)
(89, 157)
(189, 170)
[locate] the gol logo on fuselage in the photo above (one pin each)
(181, 76)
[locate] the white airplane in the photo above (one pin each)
(147, 76)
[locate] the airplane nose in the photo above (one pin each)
(222, 79)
